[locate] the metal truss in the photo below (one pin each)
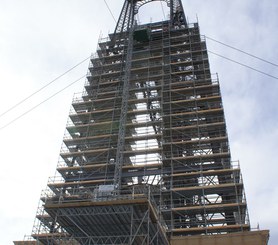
(132, 224)
(131, 8)
(122, 209)
(146, 154)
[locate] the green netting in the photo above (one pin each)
(142, 35)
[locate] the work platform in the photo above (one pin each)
(124, 219)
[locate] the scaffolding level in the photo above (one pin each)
(146, 157)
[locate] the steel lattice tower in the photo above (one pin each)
(146, 154)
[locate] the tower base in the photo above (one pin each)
(240, 238)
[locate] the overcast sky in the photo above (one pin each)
(41, 39)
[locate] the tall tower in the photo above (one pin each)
(146, 157)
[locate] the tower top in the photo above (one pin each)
(131, 8)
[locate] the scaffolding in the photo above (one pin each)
(146, 155)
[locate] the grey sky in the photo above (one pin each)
(41, 39)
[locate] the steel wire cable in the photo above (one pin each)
(110, 11)
(42, 102)
(247, 66)
(242, 51)
(34, 93)
(163, 10)
(49, 83)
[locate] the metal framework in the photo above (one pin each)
(131, 8)
(146, 154)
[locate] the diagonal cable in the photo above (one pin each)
(31, 95)
(34, 107)
(110, 11)
(163, 10)
(237, 49)
(247, 66)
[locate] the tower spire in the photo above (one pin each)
(131, 8)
